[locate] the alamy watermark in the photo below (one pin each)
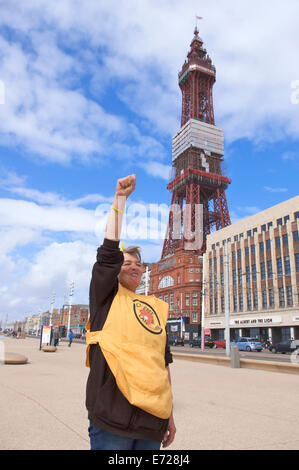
(157, 222)
(295, 93)
(295, 357)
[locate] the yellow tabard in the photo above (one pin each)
(133, 343)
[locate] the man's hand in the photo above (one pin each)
(170, 433)
(125, 186)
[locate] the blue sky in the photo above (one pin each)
(91, 95)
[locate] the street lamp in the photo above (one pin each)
(70, 308)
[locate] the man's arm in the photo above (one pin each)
(124, 187)
(109, 257)
(171, 429)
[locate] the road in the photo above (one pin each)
(264, 355)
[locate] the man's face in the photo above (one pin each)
(131, 272)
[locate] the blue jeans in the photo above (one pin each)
(104, 440)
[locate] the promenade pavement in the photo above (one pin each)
(42, 403)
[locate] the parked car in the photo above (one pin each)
(285, 346)
(197, 342)
(219, 343)
(176, 341)
(248, 344)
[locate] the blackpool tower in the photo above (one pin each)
(197, 182)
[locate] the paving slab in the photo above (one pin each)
(42, 403)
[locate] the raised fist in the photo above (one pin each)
(125, 186)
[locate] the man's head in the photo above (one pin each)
(132, 268)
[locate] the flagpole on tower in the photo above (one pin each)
(196, 19)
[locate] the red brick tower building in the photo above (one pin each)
(198, 193)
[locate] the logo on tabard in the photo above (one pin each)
(147, 317)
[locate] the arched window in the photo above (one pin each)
(166, 281)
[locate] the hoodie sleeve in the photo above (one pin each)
(104, 282)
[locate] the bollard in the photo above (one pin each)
(234, 357)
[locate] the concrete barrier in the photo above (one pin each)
(14, 358)
(272, 366)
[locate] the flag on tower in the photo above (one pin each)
(199, 17)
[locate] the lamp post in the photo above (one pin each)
(226, 300)
(70, 307)
(52, 307)
(203, 305)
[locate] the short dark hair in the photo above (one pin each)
(133, 250)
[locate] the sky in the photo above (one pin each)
(89, 94)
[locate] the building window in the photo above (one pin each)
(247, 273)
(222, 304)
(171, 302)
(246, 251)
(285, 333)
(268, 245)
(296, 215)
(179, 279)
(187, 299)
(239, 254)
(279, 266)
(281, 297)
(253, 272)
(264, 228)
(194, 317)
(166, 298)
(271, 298)
(194, 298)
(289, 296)
(234, 277)
(264, 296)
(248, 233)
(261, 247)
(166, 281)
(221, 259)
(222, 278)
(286, 218)
(233, 255)
(263, 270)
(295, 236)
(240, 276)
(255, 300)
(277, 242)
(270, 224)
(241, 302)
(249, 303)
(285, 239)
(235, 303)
(279, 221)
(269, 266)
(297, 262)
(236, 238)
(216, 304)
(253, 249)
(287, 266)
(191, 270)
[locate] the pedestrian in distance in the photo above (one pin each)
(128, 393)
(56, 337)
(70, 338)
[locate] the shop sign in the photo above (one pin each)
(256, 321)
(295, 318)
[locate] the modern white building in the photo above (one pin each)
(263, 265)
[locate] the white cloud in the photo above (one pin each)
(270, 189)
(136, 46)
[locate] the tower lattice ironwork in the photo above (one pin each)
(197, 153)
